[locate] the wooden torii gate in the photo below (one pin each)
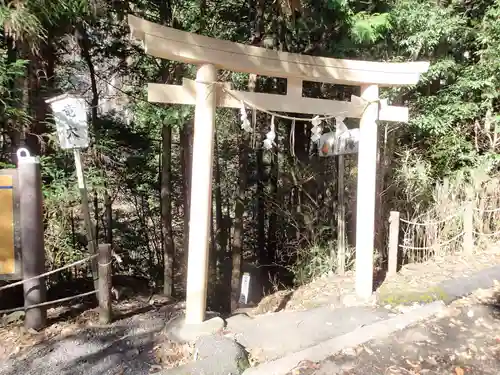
(210, 54)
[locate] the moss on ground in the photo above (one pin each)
(243, 364)
(394, 298)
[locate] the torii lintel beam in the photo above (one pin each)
(186, 94)
(168, 43)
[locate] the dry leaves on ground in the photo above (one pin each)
(462, 340)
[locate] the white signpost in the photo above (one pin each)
(245, 288)
(70, 117)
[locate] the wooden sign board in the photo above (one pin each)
(70, 117)
(10, 238)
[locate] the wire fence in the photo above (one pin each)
(468, 228)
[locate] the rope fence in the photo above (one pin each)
(74, 264)
(433, 247)
(431, 222)
(487, 211)
(48, 303)
(424, 239)
(103, 289)
(487, 234)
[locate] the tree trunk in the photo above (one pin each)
(166, 214)
(221, 234)
(260, 196)
(186, 138)
(41, 84)
(239, 211)
(222, 271)
(212, 263)
(166, 177)
(96, 216)
(273, 217)
(84, 44)
(261, 209)
(108, 217)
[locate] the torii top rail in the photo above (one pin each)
(172, 44)
(210, 54)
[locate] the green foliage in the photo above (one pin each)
(461, 85)
(369, 28)
(312, 263)
(9, 72)
(19, 21)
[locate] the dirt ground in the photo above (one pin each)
(69, 320)
(417, 277)
(463, 340)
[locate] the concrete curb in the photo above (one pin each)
(357, 337)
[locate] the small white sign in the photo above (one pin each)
(70, 115)
(245, 288)
(332, 143)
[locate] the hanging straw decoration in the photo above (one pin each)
(270, 137)
(245, 122)
(316, 129)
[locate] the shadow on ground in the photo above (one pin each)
(128, 346)
(106, 350)
(494, 305)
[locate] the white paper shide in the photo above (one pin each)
(70, 117)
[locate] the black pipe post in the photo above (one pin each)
(32, 241)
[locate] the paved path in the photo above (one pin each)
(464, 339)
(271, 336)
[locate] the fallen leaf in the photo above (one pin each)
(459, 371)
(155, 368)
(368, 350)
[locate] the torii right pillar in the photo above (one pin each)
(365, 205)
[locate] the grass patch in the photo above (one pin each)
(432, 294)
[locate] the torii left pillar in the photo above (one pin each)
(201, 194)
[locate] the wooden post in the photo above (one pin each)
(32, 243)
(86, 215)
(365, 211)
(105, 310)
(393, 243)
(201, 194)
(341, 218)
(468, 229)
